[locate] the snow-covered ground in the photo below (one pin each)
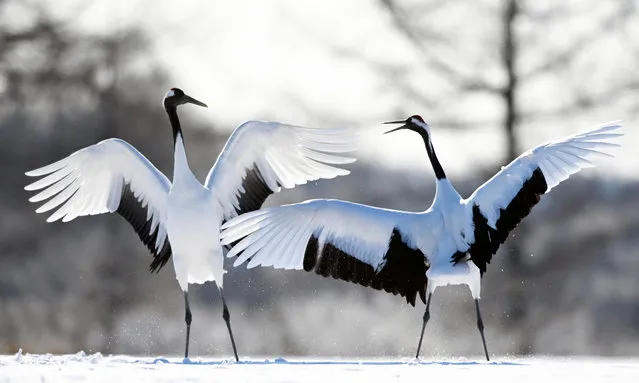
(97, 368)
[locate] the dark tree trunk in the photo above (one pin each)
(513, 259)
(509, 56)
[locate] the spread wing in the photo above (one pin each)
(507, 198)
(261, 157)
(361, 244)
(110, 176)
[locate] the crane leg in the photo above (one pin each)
(480, 327)
(227, 318)
(187, 319)
(426, 318)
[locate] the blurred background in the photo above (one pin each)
(493, 78)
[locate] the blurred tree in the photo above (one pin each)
(85, 285)
(519, 46)
(62, 89)
(511, 50)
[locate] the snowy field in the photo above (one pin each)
(97, 368)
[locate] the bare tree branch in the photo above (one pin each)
(557, 11)
(461, 80)
(509, 92)
(583, 103)
(562, 59)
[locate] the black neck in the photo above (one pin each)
(175, 122)
(437, 167)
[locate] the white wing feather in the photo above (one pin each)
(557, 160)
(278, 236)
(282, 155)
(91, 181)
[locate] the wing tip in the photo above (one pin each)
(38, 172)
(35, 198)
(612, 127)
(611, 123)
(53, 217)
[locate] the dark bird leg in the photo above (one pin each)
(227, 318)
(426, 318)
(187, 319)
(480, 326)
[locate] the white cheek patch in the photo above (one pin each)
(170, 94)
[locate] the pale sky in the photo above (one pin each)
(276, 60)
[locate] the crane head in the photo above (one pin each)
(415, 123)
(176, 96)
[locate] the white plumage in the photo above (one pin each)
(409, 253)
(90, 182)
(258, 159)
(358, 230)
(283, 155)
(557, 160)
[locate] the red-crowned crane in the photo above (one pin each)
(410, 253)
(181, 219)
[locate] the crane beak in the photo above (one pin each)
(191, 100)
(396, 129)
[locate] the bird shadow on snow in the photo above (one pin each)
(282, 361)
